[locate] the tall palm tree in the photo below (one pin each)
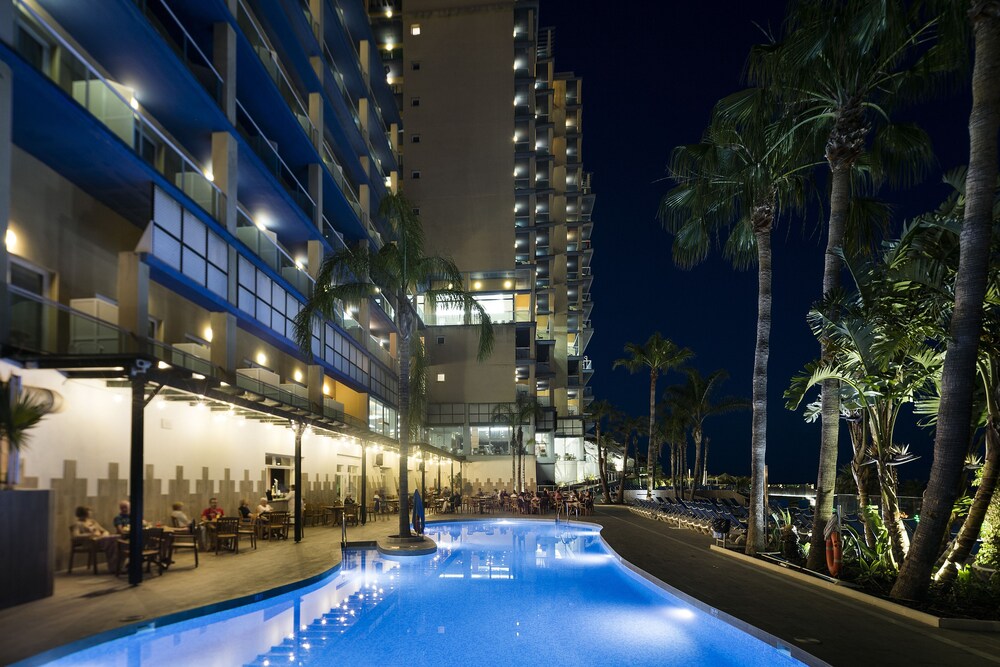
(398, 271)
(598, 412)
(743, 175)
(659, 355)
(694, 402)
(525, 410)
(628, 428)
(843, 64)
(955, 413)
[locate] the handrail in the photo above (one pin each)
(277, 245)
(206, 61)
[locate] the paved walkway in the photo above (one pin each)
(836, 630)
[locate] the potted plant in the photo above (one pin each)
(19, 413)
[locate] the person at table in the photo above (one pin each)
(377, 502)
(178, 518)
(213, 511)
(349, 500)
(244, 509)
(123, 518)
(86, 527)
(263, 507)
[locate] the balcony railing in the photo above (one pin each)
(266, 247)
(116, 107)
(166, 23)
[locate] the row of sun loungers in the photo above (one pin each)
(702, 515)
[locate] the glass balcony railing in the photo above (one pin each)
(267, 151)
(267, 247)
(271, 392)
(269, 59)
(115, 106)
(176, 36)
(337, 173)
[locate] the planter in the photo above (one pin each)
(26, 546)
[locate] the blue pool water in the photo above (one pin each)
(495, 593)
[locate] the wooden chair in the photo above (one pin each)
(227, 530)
(155, 550)
(82, 544)
(248, 527)
(184, 541)
(277, 525)
(352, 513)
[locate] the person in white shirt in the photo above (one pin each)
(263, 507)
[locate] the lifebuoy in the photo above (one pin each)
(833, 553)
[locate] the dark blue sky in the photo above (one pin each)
(652, 72)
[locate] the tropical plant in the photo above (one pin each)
(694, 402)
(524, 411)
(597, 413)
(955, 415)
(659, 355)
(20, 412)
(628, 428)
(741, 177)
(398, 271)
(843, 65)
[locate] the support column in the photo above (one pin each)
(224, 341)
(136, 471)
(297, 481)
(225, 164)
(224, 60)
(315, 377)
(314, 257)
(133, 296)
(6, 92)
(364, 482)
(316, 193)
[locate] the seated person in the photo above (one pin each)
(178, 518)
(244, 509)
(85, 527)
(348, 500)
(213, 511)
(377, 502)
(263, 507)
(123, 518)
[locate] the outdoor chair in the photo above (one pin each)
(227, 530)
(82, 544)
(155, 550)
(351, 514)
(277, 525)
(185, 540)
(248, 528)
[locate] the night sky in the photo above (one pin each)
(652, 72)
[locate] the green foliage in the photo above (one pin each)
(989, 550)
(869, 566)
(19, 416)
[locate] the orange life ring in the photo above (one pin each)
(833, 553)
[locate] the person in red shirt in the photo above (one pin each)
(213, 511)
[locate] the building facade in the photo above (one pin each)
(492, 155)
(171, 175)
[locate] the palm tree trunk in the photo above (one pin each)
(898, 540)
(651, 452)
(960, 549)
(758, 434)
(859, 471)
(621, 484)
(696, 433)
(404, 418)
(673, 467)
(957, 378)
(602, 464)
(826, 477)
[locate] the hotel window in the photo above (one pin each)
(414, 28)
(415, 65)
(415, 102)
(415, 139)
(415, 175)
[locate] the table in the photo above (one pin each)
(337, 511)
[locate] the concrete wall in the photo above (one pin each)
(489, 381)
(492, 474)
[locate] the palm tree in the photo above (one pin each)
(525, 410)
(20, 412)
(628, 428)
(397, 270)
(843, 64)
(693, 402)
(659, 355)
(597, 412)
(955, 413)
(741, 177)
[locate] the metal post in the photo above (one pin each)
(364, 483)
(297, 477)
(136, 465)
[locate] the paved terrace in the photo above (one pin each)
(837, 630)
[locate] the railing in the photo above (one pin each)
(106, 101)
(183, 45)
(271, 392)
(272, 253)
(337, 173)
(268, 154)
(269, 59)
(375, 348)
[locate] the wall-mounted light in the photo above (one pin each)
(297, 375)
(261, 358)
(209, 176)
(477, 285)
(134, 102)
(300, 263)
(389, 46)
(10, 240)
(326, 389)
(207, 334)
(507, 284)
(388, 12)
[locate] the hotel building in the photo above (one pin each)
(492, 155)
(171, 175)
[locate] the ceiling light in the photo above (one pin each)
(477, 285)
(163, 365)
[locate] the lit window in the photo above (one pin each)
(440, 377)
(414, 28)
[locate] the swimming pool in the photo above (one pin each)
(497, 592)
